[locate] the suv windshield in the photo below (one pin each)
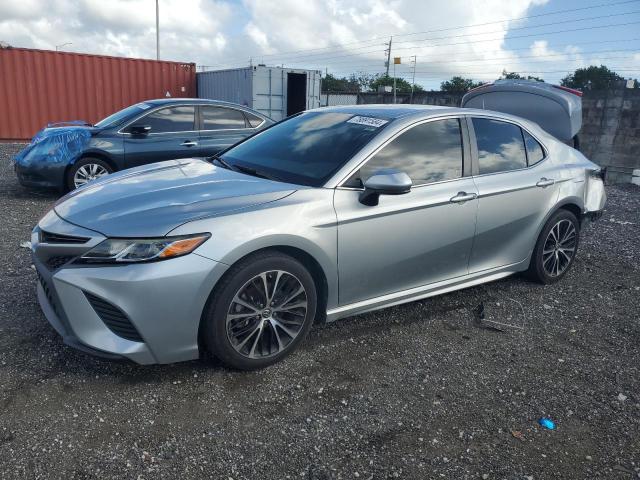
(122, 115)
(306, 149)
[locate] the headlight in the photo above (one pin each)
(130, 250)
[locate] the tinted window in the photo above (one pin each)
(535, 153)
(307, 148)
(254, 120)
(430, 152)
(218, 118)
(500, 146)
(172, 119)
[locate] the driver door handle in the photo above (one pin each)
(189, 143)
(463, 197)
(545, 182)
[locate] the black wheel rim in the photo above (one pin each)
(559, 248)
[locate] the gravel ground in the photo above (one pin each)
(424, 390)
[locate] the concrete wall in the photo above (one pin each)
(610, 134)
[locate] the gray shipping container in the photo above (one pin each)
(273, 91)
(556, 109)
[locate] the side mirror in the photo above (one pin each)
(384, 182)
(140, 129)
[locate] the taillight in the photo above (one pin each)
(570, 90)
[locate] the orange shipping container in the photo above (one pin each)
(43, 86)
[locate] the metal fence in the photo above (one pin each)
(332, 99)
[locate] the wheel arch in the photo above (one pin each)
(91, 154)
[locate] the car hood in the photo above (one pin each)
(152, 200)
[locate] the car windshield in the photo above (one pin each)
(306, 149)
(122, 115)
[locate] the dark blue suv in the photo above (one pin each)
(68, 155)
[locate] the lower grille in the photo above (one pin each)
(48, 293)
(114, 318)
(58, 261)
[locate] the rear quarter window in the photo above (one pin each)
(535, 152)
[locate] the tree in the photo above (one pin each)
(402, 86)
(516, 76)
(459, 85)
(331, 83)
(595, 78)
(362, 79)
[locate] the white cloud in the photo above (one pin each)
(344, 36)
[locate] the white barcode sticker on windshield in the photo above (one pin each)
(369, 121)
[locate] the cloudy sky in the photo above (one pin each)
(476, 39)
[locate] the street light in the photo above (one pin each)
(58, 47)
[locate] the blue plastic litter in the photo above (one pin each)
(547, 423)
(55, 145)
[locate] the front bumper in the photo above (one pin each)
(163, 301)
(40, 176)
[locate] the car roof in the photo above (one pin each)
(199, 101)
(409, 112)
(390, 112)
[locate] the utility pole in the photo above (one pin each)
(394, 81)
(157, 31)
(413, 82)
(389, 54)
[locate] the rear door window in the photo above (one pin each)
(500, 146)
(220, 118)
(429, 152)
(171, 119)
(535, 152)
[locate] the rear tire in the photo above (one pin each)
(85, 170)
(249, 326)
(556, 248)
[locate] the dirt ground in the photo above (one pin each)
(423, 390)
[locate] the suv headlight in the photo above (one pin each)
(132, 250)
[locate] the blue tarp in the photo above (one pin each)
(55, 145)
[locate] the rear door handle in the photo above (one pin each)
(545, 182)
(463, 197)
(189, 143)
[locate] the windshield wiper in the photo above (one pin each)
(256, 173)
(222, 162)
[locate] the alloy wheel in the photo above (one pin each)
(88, 172)
(266, 314)
(559, 248)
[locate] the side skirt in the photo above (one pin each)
(425, 291)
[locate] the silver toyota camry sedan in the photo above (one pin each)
(330, 213)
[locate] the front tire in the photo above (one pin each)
(85, 170)
(260, 311)
(556, 248)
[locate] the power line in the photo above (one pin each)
(513, 58)
(448, 55)
(524, 28)
(593, 27)
(377, 38)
